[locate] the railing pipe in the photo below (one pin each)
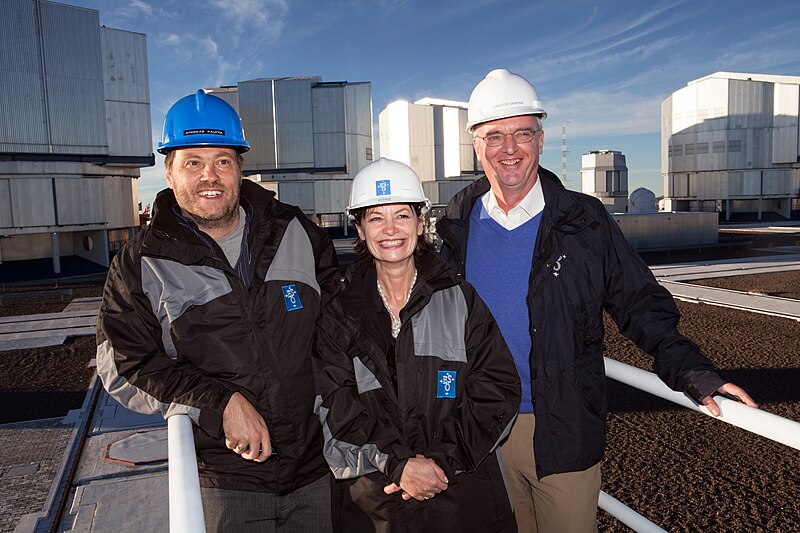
(626, 515)
(185, 505)
(766, 424)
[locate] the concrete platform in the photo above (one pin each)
(730, 267)
(125, 490)
(78, 319)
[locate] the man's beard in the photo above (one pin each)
(221, 221)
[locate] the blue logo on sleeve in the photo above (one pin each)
(291, 297)
(383, 188)
(446, 386)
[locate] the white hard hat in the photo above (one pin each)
(386, 182)
(502, 94)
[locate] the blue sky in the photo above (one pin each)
(601, 67)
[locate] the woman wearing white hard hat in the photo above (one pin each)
(416, 385)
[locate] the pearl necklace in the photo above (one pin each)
(396, 319)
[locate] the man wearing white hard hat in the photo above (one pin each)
(548, 261)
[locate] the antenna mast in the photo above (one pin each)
(564, 154)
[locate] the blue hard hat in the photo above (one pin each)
(202, 119)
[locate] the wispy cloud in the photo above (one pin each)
(266, 16)
(600, 113)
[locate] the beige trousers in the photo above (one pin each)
(558, 503)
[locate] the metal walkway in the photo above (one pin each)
(672, 276)
(79, 318)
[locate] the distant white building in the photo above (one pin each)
(430, 136)
(729, 144)
(74, 132)
(308, 138)
(604, 174)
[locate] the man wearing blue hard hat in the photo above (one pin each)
(209, 312)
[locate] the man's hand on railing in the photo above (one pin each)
(731, 391)
(246, 433)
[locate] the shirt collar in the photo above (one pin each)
(530, 206)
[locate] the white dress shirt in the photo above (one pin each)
(530, 206)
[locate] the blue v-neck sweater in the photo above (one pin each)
(498, 266)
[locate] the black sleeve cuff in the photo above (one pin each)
(702, 383)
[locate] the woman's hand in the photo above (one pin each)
(422, 479)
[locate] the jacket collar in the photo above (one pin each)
(259, 202)
(359, 293)
(559, 205)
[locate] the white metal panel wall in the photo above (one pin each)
(73, 65)
(358, 106)
(750, 104)
(666, 139)
(438, 142)
(711, 103)
(331, 196)
(33, 202)
(6, 218)
(294, 122)
(296, 193)
(257, 111)
(736, 149)
(469, 161)
(684, 108)
(451, 142)
(744, 183)
(395, 131)
(711, 185)
(421, 154)
(80, 201)
(329, 126)
(662, 230)
(21, 247)
(776, 182)
(127, 92)
(330, 150)
(98, 250)
(328, 108)
(359, 102)
(120, 196)
(785, 120)
(23, 124)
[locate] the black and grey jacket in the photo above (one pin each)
(446, 388)
(179, 332)
(582, 265)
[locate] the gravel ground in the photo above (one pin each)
(682, 470)
(44, 382)
(687, 472)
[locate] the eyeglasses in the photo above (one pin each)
(520, 137)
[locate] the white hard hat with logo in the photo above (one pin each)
(502, 94)
(386, 182)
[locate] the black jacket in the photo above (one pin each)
(583, 265)
(179, 332)
(379, 409)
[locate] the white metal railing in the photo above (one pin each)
(766, 424)
(185, 505)
(756, 421)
